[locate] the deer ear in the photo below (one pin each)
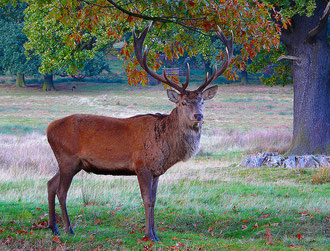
(173, 96)
(209, 93)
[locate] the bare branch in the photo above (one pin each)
(294, 58)
(88, 45)
(321, 24)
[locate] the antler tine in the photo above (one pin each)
(229, 55)
(187, 78)
(142, 59)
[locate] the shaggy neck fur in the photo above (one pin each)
(181, 139)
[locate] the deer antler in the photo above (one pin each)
(142, 59)
(229, 55)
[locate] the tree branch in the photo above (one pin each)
(321, 24)
(289, 58)
(170, 19)
(86, 45)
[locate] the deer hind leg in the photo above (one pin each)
(66, 175)
(52, 186)
(148, 187)
(153, 198)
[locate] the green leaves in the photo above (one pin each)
(58, 43)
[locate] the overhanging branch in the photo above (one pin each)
(323, 21)
(164, 19)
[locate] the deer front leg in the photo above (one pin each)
(148, 186)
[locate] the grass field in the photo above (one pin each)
(207, 203)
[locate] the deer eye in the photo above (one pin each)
(184, 103)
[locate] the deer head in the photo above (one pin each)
(189, 103)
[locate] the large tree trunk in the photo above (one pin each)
(311, 75)
(48, 83)
(20, 82)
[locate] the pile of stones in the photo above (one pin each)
(275, 160)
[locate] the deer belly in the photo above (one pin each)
(104, 167)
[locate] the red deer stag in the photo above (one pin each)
(144, 145)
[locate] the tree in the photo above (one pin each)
(305, 46)
(59, 48)
(12, 39)
(311, 75)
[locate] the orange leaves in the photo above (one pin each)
(207, 26)
(57, 240)
(293, 246)
(191, 3)
(97, 222)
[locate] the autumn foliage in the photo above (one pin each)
(181, 28)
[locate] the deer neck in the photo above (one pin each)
(183, 140)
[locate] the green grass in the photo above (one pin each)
(208, 203)
(233, 211)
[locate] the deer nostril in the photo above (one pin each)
(198, 117)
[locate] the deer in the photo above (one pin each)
(145, 145)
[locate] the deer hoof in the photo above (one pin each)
(70, 231)
(54, 230)
(151, 237)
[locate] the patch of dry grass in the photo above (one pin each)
(262, 140)
(321, 176)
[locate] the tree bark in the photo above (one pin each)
(20, 81)
(311, 75)
(244, 78)
(48, 83)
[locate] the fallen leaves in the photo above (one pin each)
(269, 237)
(41, 224)
(56, 239)
(97, 222)
(293, 246)
(265, 216)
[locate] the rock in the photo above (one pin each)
(273, 159)
(323, 160)
(253, 161)
(290, 162)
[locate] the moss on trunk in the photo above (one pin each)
(48, 83)
(20, 82)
